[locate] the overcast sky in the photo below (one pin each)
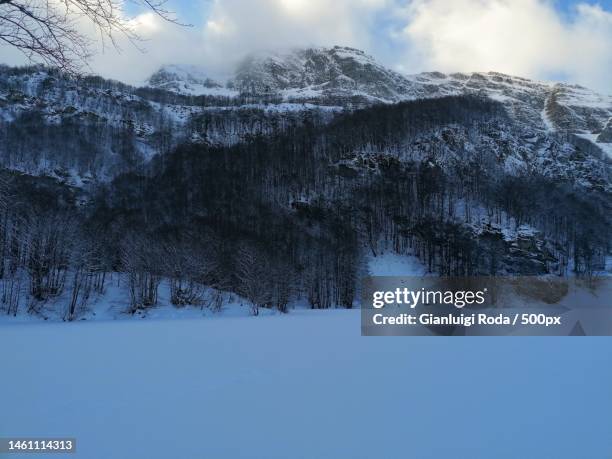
(542, 39)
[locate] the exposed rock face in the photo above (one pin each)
(521, 252)
(349, 77)
(555, 126)
(319, 73)
(189, 80)
(574, 108)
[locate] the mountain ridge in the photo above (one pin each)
(269, 93)
(350, 77)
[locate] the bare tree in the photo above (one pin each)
(184, 267)
(88, 269)
(252, 272)
(140, 259)
(48, 30)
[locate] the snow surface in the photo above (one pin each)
(548, 124)
(573, 95)
(392, 264)
(304, 385)
(114, 304)
(298, 385)
(191, 80)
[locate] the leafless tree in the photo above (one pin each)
(48, 30)
(141, 261)
(252, 271)
(88, 271)
(184, 267)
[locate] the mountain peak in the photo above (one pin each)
(187, 79)
(332, 73)
(349, 77)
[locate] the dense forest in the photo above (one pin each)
(294, 215)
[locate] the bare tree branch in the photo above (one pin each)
(47, 30)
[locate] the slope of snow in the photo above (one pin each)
(348, 77)
(549, 126)
(574, 95)
(190, 80)
(392, 264)
(306, 385)
(114, 305)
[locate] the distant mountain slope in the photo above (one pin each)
(335, 74)
(277, 193)
(85, 129)
(349, 77)
(190, 80)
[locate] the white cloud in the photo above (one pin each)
(236, 27)
(162, 43)
(521, 37)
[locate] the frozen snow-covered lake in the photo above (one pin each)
(305, 385)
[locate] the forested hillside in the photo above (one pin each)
(455, 181)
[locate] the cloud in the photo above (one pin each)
(236, 27)
(522, 37)
(163, 43)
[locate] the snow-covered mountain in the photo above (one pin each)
(322, 148)
(119, 126)
(188, 79)
(346, 76)
(334, 75)
(84, 129)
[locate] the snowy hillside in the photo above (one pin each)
(338, 74)
(90, 129)
(190, 80)
(455, 182)
(347, 76)
(190, 183)
(83, 130)
(111, 302)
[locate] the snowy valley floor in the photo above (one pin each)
(304, 385)
(191, 384)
